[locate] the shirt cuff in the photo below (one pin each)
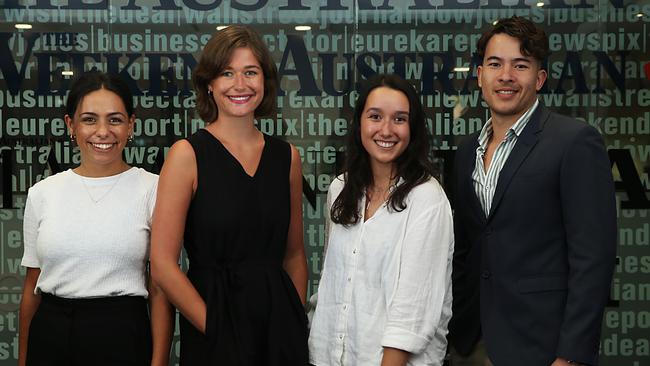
(404, 340)
(30, 262)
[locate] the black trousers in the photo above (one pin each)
(109, 331)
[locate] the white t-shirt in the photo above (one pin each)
(90, 236)
(386, 282)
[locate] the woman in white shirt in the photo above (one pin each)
(87, 245)
(384, 296)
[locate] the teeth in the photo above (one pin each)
(505, 92)
(386, 143)
(103, 146)
(240, 99)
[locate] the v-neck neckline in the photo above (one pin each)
(236, 161)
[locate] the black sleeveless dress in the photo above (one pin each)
(235, 238)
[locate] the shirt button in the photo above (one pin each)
(340, 336)
(485, 275)
(354, 251)
(345, 307)
(349, 279)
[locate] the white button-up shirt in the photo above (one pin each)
(386, 282)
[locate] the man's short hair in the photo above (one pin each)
(533, 39)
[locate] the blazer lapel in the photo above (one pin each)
(525, 143)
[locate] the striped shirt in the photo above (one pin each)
(485, 183)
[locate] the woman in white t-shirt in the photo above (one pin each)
(384, 296)
(87, 245)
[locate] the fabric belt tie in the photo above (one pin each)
(221, 326)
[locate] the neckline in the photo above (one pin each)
(235, 160)
(107, 178)
(382, 206)
(109, 181)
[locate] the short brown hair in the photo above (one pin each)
(215, 58)
(532, 38)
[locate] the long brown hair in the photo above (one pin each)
(413, 166)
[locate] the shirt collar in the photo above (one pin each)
(514, 130)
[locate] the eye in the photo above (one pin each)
(493, 65)
(521, 66)
(88, 120)
(401, 119)
(227, 73)
(250, 73)
(115, 120)
(374, 117)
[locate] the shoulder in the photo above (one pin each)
(143, 174)
(430, 191)
(336, 185)
(282, 145)
(565, 124)
(567, 130)
(144, 177)
(182, 150)
(180, 163)
(52, 183)
(283, 153)
(200, 135)
(428, 197)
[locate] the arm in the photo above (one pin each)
(394, 357)
(416, 307)
(177, 183)
(589, 213)
(161, 324)
(29, 302)
(28, 305)
(295, 263)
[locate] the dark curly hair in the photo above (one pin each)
(413, 165)
(215, 58)
(533, 39)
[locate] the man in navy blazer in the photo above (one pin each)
(535, 217)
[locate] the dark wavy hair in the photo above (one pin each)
(91, 81)
(532, 38)
(215, 58)
(413, 166)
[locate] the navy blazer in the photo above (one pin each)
(534, 275)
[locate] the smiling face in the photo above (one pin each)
(385, 131)
(101, 128)
(509, 81)
(239, 88)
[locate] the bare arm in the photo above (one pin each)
(176, 186)
(28, 305)
(161, 325)
(394, 357)
(294, 258)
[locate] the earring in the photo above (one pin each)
(72, 137)
(130, 138)
(210, 92)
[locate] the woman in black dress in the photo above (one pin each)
(233, 197)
